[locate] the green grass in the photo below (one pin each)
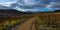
(41, 23)
(13, 23)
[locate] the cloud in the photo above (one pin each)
(32, 4)
(51, 3)
(45, 2)
(1, 1)
(55, 3)
(29, 3)
(48, 6)
(7, 3)
(35, 2)
(55, 0)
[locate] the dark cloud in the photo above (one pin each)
(55, 3)
(56, 6)
(55, 0)
(37, 4)
(45, 2)
(31, 7)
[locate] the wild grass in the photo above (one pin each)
(48, 21)
(10, 24)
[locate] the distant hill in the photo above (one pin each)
(12, 13)
(57, 11)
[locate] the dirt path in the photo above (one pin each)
(33, 25)
(28, 25)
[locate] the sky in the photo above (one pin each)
(7, 2)
(40, 5)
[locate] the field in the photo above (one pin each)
(43, 21)
(11, 22)
(48, 21)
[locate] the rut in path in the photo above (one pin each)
(28, 25)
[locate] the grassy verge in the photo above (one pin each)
(10, 24)
(48, 22)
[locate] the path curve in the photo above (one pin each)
(27, 25)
